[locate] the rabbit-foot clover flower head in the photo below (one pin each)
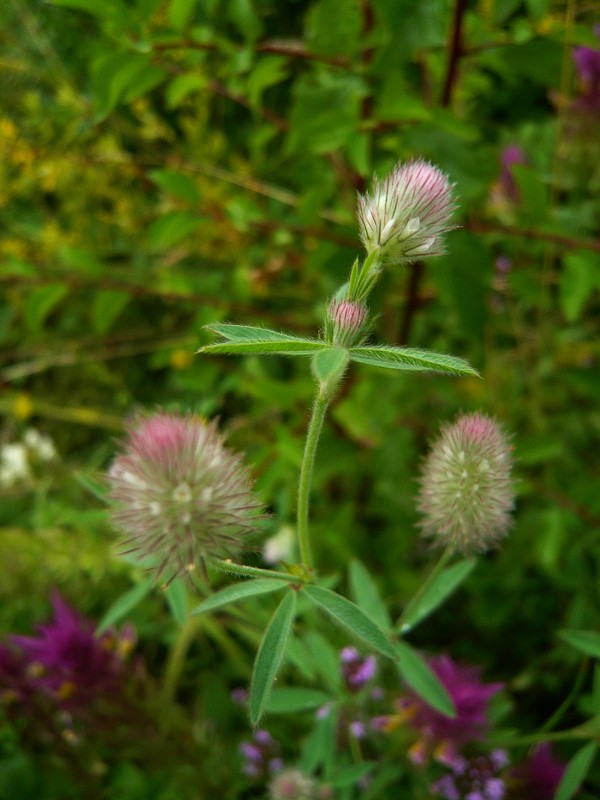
(407, 215)
(466, 493)
(180, 495)
(346, 322)
(291, 784)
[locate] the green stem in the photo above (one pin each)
(416, 599)
(177, 655)
(555, 718)
(306, 472)
(254, 572)
(534, 738)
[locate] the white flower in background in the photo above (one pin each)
(41, 446)
(280, 547)
(14, 466)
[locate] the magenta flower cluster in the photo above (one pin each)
(66, 661)
(442, 737)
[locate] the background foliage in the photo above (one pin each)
(166, 164)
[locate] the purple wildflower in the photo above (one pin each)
(68, 661)
(477, 779)
(512, 155)
(357, 670)
(357, 729)
(261, 755)
(587, 63)
(443, 736)
(538, 777)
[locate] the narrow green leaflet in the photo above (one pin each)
(238, 591)
(267, 347)
(366, 595)
(350, 775)
(576, 772)
(177, 600)
(291, 699)
(248, 339)
(587, 642)
(408, 358)
(319, 746)
(351, 617)
(442, 587)
(423, 680)
(270, 655)
(247, 333)
(124, 605)
(325, 658)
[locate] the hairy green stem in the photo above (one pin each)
(416, 599)
(243, 571)
(306, 472)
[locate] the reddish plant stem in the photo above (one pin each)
(454, 55)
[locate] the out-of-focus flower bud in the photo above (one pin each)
(466, 493)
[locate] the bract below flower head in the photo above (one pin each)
(180, 494)
(407, 214)
(466, 493)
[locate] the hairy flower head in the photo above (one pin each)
(291, 784)
(466, 493)
(407, 214)
(179, 494)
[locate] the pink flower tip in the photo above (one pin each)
(466, 492)
(407, 215)
(179, 494)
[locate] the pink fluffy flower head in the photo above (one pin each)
(291, 784)
(407, 214)
(180, 495)
(466, 493)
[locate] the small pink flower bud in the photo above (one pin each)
(291, 784)
(346, 322)
(179, 494)
(407, 214)
(466, 493)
